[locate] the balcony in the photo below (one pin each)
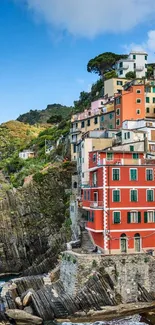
(98, 204)
(139, 68)
(122, 162)
(125, 66)
(74, 130)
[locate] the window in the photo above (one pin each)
(133, 196)
(133, 174)
(128, 135)
(75, 185)
(149, 195)
(94, 179)
(94, 157)
(72, 208)
(117, 121)
(147, 99)
(138, 100)
(88, 122)
(153, 89)
(110, 126)
(149, 174)
(125, 136)
(121, 72)
(111, 116)
(134, 217)
(85, 195)
(118, 111)
(148, 89)
(102, 118)
(119, 83)
(118, 100)
(147, 110)
(82, 124)
(95, 196)
(109, 156)
(131, 148)
(76, 125)
(88, 195)
(145, 66)
(134, 56)
(90, 216)
(138, 111)
(74, 148)
(154, 110)
(149, 216)
(138, 91)
(82, 175)
(145, 57)
(121, 64)
(96, 120)
(135, 156)
(153, 100)
(116, 195)
(119, 91)
(116, 174)
(116, 217)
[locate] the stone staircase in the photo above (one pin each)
(86, 243)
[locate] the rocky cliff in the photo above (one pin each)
(33, 221)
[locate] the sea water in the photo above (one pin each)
(133, 320)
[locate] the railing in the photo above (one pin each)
(98, 204)
(75, 130)
(87, 185)
(124, 161)
(139, 68)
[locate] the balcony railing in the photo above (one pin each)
(87, 185)
(124, 161)
(98, 204)
(125, 66)
(75, 130)
(139, 68)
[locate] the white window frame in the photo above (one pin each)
(146, 174)
(130, 174)
(138, 91)
(138, 102)
(112, 156)
(150, 189)
(133, 189)
(113, 217)
(119, 174)
(147, 216)
(134, 211)
(96, 196)
(138, 110)
(118, 110)
(116, 189)
(118, 119)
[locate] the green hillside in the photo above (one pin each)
(42, 116)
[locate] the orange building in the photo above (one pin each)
(119, 201)
(130, 104)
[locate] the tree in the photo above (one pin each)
(150, 70)
(110, 74)
(54, 119)
(104, 62)
(130, 75)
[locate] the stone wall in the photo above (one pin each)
(128, 273)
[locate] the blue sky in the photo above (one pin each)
(45, 46)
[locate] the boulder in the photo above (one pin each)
(27, 299)
(21, 316)
(29, 310)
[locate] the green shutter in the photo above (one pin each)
(128, 217)
(139, 217)
(145, 216)
(116, 217)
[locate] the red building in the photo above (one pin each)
(119, 201)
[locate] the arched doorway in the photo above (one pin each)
(123, 243)
(137, 242)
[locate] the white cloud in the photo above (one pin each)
(89, 18)
(148, 45)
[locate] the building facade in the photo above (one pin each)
(136, 62)
(119, 202)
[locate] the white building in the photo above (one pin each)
(136, 62)
(26, 154)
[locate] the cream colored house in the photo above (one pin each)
(114, 85)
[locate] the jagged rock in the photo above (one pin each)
(22, 316)
(27, 299)
(18, 302)
(29, 310)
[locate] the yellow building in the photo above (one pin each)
(86, 121)
(114, 85)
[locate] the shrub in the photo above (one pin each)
(38, 177)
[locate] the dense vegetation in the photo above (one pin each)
(104, 62)
(42, 116)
